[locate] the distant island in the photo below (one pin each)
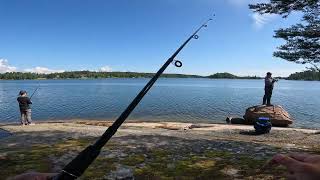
(306, 75)
(226, 75)
(310, 75)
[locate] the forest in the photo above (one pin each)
(86, 75)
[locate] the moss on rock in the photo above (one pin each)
(18, 161)
(159, 162)
(133, 160)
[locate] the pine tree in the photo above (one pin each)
(303, 39)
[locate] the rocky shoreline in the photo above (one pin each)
(143, 150)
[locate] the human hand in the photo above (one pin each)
(33, 176)
(299, 166)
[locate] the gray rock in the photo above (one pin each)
(230, 172)
(122, 173)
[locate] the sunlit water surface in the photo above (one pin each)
(187, 100)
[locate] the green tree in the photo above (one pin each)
(224, 75)
(303, 39)
(309, 75)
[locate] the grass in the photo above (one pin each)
(151, 164)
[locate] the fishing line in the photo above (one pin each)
(35, 91)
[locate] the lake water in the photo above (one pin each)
(187, 100)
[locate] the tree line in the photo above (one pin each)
(308, 75)
(226, 75)
(103, 75)
(86, 75)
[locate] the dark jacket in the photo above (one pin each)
(24, 103)
(269, 83)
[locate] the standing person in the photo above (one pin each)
(25, 109)
(268, 88)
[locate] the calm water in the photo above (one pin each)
(188, 100)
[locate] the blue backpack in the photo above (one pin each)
(263, 125)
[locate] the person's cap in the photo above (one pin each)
(269, 73)
(22, 92)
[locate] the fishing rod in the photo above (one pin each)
(79, 164)
(35, 91)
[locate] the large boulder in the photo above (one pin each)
(278, 116)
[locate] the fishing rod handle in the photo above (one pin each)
(78, 165)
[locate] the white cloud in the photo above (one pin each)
(5, 67)
(42, 70)
(105, 69)
(259, 20)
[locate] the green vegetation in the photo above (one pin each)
(223, 76)
(226, 75)
(103, 75)
(306, 75)
(310, 75)
(162, 166)
(86, 75)
(155, 163)
(303, 39)
(133, 160)
(213, 164)
(17, 160)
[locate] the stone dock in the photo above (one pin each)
(142, 150)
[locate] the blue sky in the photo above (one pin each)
(139, 35)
